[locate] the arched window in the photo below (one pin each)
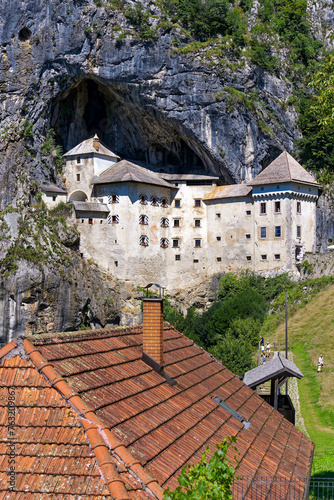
(164, 203)
(164, 243)
(155, 201)
(143, 199)
(113, 198)
(144, 241)
(164, 222)
(143, 219)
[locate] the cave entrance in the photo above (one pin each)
(125, 125)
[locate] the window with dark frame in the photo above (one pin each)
(195, 261)
(299, 231)
(176, 222)
(143, 199)
(277, 207)
(197, 203)
(143, 220)
(263, 208)
(78, 177)
(248, 212)
(264, 257)
(219, 259)
(197, 222)
(175, 243)
(177, 203)
(164, 243)
(178, 257)
(278, 232)
(248, 257)
(263, 232)
(198, 243)
(144, 241)
(78, 159)
(299, 207)
(218, 215)
(218, 238)
(90, 221)
(164, 202)
(277, 256)
(164, 222)
(248, 236)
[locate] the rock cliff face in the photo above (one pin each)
(64, 65)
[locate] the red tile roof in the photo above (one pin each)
(141, 431)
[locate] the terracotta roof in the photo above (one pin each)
(284, 169)
(141, 430)
(87, 147)
(51, 188)
(230, 191)
(126, 171)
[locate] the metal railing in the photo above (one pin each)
(279, 488)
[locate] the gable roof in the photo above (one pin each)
(284, 169)
(276, 367)
(126, 171)
(87, 147)
(141, 430)
(52, 188)
(90, 206)
(229, 191)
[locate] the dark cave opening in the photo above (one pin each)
(91, 107)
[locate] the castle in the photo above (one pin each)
(175, 229)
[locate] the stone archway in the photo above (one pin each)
(78, 196)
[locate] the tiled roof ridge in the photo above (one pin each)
(101, 438)
(62, 337)
(7, 348)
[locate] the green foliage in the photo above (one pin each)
(140, 17)
(51, 149)
(210, 479)
(27, 129)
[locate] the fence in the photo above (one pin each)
(274, 488)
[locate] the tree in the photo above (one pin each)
(209, 479)
(323, 83)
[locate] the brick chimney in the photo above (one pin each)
(96, 142)
(153, 330)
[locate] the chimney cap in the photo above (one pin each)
(161, 289)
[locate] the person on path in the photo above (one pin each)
(268, 349)
(264, 359)
(261, 341)
(320, 363)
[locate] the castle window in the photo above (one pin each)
(263, 208)
(90, 221)
(277, 256)
(176, 222)
(116, 263)
(248, 257)
(195, 261)
(114, 198)
(154, 201)
(101, 221)
(299, 231)
(264, 257)
(218, 238)
(197, 203)
(78, 160)
(164, 202)
(143, 199)
(299, 207)
(175, 243)
(164, 243)
(78, 177)
(164, 222)
(197, 222)
(177, 203)
(248, 212)
(277, 207)
(198, 243)
(218, 216)
(219, 259)
(143, 219)
(54, 198)
(263, 232)
(248, 236)
(113, 219)
(82, 221)
(178, 257)
(278, 232)
(144, 241)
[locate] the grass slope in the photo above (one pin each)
(311, 333)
